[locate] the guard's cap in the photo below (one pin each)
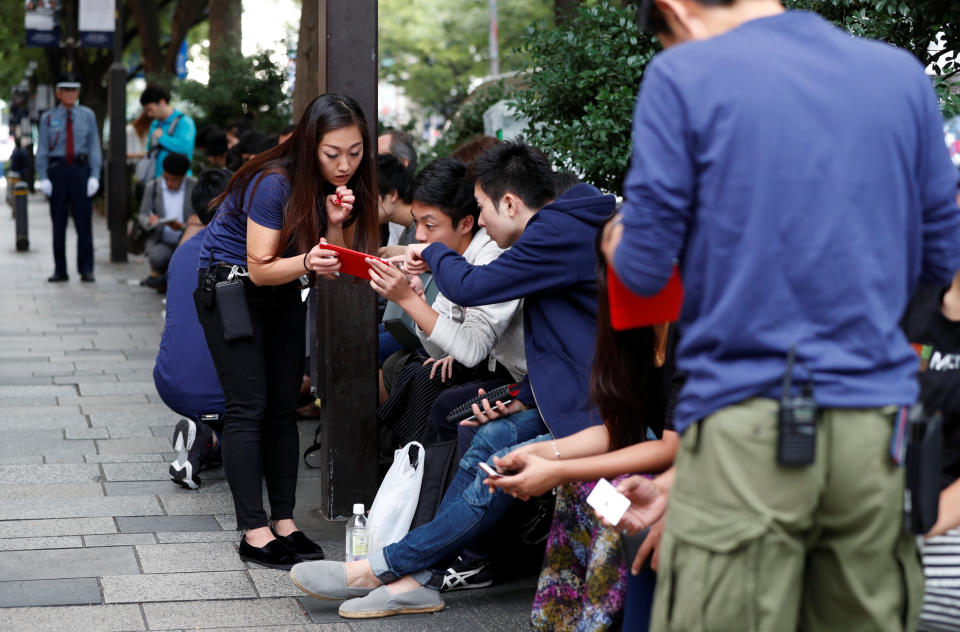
(69, 81)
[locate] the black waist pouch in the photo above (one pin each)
(923, 471)
(231, 301)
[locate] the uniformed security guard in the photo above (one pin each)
(68, 165)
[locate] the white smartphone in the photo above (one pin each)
(489, 471)
(608, 502)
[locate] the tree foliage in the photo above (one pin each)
(587, 71)
(434, 48)
(581, 94)
(242, 87)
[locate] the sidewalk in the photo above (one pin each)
(93, 535)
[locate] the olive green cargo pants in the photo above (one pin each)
(750, 545)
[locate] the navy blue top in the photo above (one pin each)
(553, 268)
(800, 177)
(226, 236)
(185, 377)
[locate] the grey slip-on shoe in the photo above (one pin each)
(325, 580)
(380, 603)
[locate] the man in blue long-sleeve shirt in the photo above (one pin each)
(68, 166)
(171, 131)
(800, 178)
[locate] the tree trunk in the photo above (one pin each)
(225, 31)
(311, 75)
(185, 16)
(147, 15)
(160, 61)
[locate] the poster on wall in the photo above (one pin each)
(96, 23)
(42, 22)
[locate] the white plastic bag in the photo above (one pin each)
(396, 501)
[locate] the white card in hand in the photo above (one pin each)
(609, 503)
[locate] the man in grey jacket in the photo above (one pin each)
(164, 210)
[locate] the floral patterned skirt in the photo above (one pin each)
(582, 584)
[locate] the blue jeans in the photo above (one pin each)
(388, 345)
(468, 509)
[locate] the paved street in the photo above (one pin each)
(93, 535)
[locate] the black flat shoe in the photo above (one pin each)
(87, 278)
(58, 278)
(276, 554)
(301, 546)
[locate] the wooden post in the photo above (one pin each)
(346, 309)
(311, 78)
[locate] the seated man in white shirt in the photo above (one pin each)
(165, 207)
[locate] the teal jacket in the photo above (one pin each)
(180, 142)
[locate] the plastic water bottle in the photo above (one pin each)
(358, 539)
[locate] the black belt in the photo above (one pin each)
(222, 270)
(80, 160)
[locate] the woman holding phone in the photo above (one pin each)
(274, 218)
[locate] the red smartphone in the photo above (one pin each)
(353, 262)
(630, 311)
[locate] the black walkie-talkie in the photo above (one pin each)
(797, 436)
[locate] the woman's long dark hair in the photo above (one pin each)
(305, 216)
(624, 378)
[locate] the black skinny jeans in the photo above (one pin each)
(260, 377)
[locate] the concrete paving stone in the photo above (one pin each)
(47, 447)
(50, 490)
(274, 583)
(87, 433)
(228, 522)
(80, 380)
(197, 504)
(51, 542)
(255, 613)
(7, 412)
(25, 380)
(30, 422)
(134, 445)
(37, 366)
(15, 392)
(89, 507)
(172, 537)
(125, 388)
(121, 618)
(131, 432)
(50, 592)
(135, 417)
(308, 627)
(55, 527)
(117, 539)
(22, 460)
(123, 458)
(67, 563)
(51, 473)
(150, 471)
(118, 365)
(165, 430)
(17, 403)
(176, 587)
(140, 488)
(155, 524)
(131, 401)
(189, 557)
(99, 354)
(137, 411)
(63, 458)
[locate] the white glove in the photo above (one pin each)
(46, 187)
(93, 185)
